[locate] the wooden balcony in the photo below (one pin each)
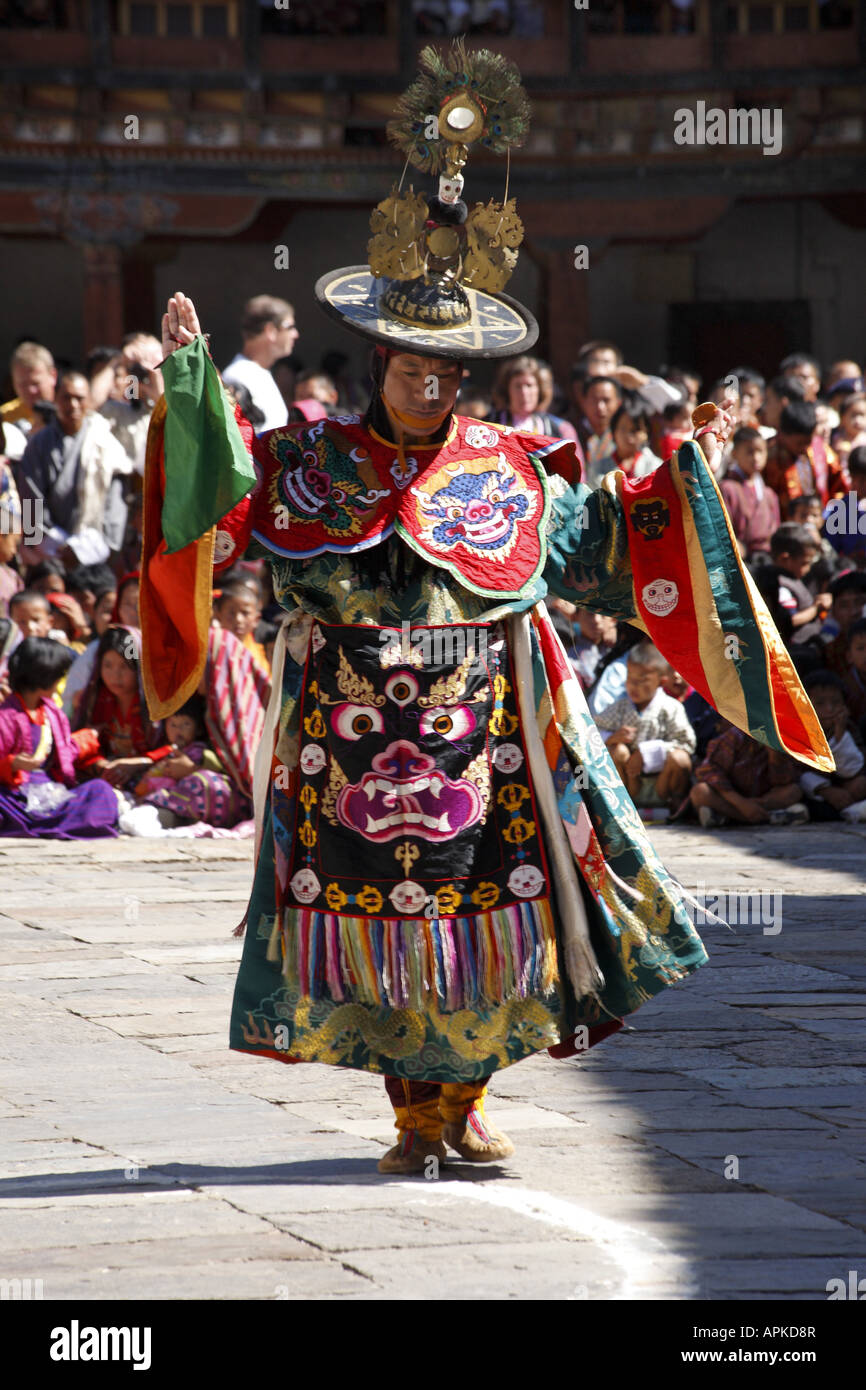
(350, 56)
(614, 43)
(632, 55)
(43, 48)
(832, 48)
(192, 54)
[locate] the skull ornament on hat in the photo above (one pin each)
(433, 285)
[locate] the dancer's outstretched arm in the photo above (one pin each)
(198, 473)
(660, 553)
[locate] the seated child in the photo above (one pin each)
(855, 676)
(67, 616)
(103, 602)
(793, 550)
(848, 596)
(630, 430)
(185, 733)
(748, 783)
(48, 577)
(845, 517)
(586, 637)
(38, 796)
(595, 637)
(850, 433)
(112, 703)
(841, 794)
(32, 613)
(677, 427)
(191, 784)
(807, 511)
(752, 506)
(86, 584)
(608, 682)
(648, 734)
(238, 608)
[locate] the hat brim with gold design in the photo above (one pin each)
(498, 326)
(435, 273)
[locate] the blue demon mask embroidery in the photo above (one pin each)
(479, 506)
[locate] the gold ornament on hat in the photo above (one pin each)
(396, 225)
(493, 233)
(474, 97)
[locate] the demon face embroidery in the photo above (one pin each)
(412, 780)
(318, 483)
(405, 792)
(475, 503)
(650, 517)
(402, 791)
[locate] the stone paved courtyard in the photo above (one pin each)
(716, 1149)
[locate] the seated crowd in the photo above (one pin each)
(793, 478)
(79, 755)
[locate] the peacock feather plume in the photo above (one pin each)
(491, 81)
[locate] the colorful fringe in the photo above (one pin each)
(400, 963)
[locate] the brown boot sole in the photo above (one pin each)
(464, 1140)
(416, 1161)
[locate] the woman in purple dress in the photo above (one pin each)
(38, 796)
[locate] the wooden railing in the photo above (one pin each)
(778, 17)
(656, 17)
(150, 18)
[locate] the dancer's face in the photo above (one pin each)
(423, 386)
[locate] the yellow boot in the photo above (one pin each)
(465, 1127)
(419, 1126)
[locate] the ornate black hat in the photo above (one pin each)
(436, 271)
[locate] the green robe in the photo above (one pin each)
(635, 915)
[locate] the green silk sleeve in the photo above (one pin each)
(660, 552)
(588, 553)
(207, 467)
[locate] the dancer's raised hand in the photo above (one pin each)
(713, 424)
(180, 323)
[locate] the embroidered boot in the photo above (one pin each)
(419, 1125)
(466, 1128)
